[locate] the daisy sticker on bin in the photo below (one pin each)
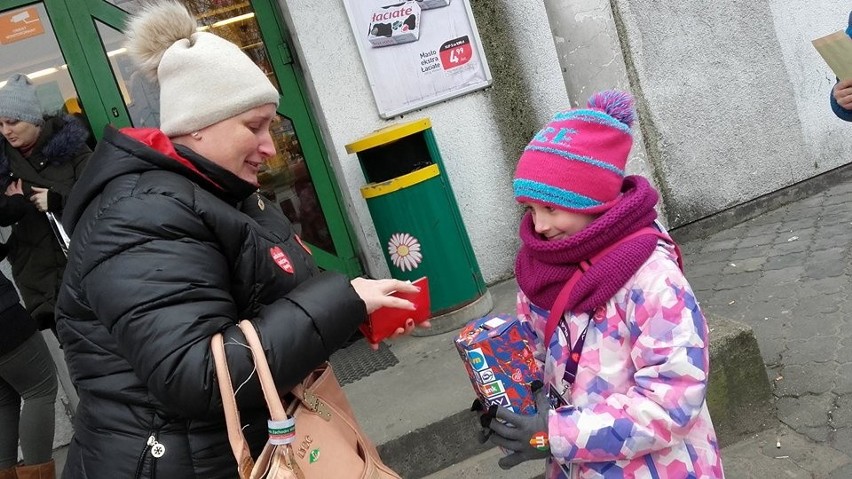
(404, 251)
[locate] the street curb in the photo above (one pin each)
(738, 397)
(485, 465)
(737, 214)
(434, 447)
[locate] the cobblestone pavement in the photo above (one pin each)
(787, 274)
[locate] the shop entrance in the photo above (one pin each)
(73, 51)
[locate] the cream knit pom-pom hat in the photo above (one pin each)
(203, 78)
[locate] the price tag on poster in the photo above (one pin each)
(418, 52)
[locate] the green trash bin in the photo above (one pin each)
(418, 222)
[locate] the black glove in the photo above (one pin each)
(526, 436)
(487, 414)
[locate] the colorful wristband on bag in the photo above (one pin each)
(281, 432)
(540, 441)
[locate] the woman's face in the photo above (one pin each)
(20, 134)
(556, 224)
(240, 144)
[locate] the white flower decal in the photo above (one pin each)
(404, 251)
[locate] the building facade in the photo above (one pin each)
(725, 116)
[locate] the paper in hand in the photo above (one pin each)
(836, 50)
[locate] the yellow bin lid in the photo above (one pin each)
(388, 135)
(395, 184)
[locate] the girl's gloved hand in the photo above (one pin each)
(525, 435)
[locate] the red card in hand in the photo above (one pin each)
(383, 322)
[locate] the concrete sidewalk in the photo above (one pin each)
(416, 412)
(784, 273)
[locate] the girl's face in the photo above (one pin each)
(20, 134)
(556, 224)
(240, 144)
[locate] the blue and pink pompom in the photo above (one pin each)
(615, 103)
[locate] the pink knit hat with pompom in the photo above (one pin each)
(576, 162)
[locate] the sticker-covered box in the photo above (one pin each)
(497, 352)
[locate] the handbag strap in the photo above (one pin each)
(239, 445)
(561, 301)
(270, 392)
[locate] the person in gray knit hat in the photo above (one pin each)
(171, 244)
(41, 156)
(18, 100)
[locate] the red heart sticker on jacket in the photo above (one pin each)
(281, 259)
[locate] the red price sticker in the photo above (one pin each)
(456, 53)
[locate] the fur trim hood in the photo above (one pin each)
(61, 138)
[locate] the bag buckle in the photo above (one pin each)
(313, 402)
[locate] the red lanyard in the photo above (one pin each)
(558, 309)
(576, 352)
(554, 318)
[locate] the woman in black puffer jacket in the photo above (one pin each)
(171, 244)
(48, 153)
(27, 373)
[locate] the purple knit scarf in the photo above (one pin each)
(543, 267)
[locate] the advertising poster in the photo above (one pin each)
(418, 52)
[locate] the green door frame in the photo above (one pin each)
(110, 108)
(75, 55)
(81, 46)
(293, 100)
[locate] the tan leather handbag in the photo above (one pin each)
(317, 437)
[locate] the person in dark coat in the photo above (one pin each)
(48, 153)
(171, 244)
(27, 373)
(841, 93)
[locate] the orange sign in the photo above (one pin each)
(19, 25)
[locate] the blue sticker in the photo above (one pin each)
(477, 359)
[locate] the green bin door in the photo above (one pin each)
(421, 235)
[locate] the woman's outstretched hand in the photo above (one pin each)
(376, 293)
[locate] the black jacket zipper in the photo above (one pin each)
(151, 446)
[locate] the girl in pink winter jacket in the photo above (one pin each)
(625, 366)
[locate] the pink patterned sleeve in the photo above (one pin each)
(526, 316)
(664, 397)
